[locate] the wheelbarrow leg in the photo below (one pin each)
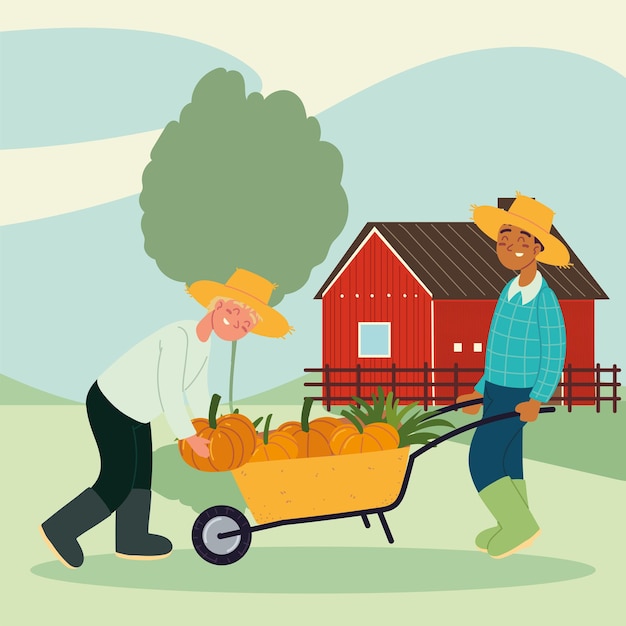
(366, 522)
(385, 526)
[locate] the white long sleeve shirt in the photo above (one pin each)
(156, 375)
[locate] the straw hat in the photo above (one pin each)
(248, 288)
(530, 215)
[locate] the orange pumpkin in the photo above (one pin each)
(274, 446)
(354, 438)
(232, 440)
(313, 438)
(325, 425)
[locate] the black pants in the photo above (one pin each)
(125, 447)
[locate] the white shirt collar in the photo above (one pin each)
(529, 291)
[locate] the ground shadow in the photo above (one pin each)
(322, 570)
(172, 478)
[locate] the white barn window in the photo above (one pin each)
(478, 347)
(374, 339)
(458, 347)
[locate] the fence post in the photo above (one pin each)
(598, 387)
(570, 388)
(614, 388)
(455, 382)
(393, 379)
(358, 380)
(425, 379)
(327, 381)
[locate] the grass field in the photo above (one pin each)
(336, 572)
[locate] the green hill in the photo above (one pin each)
(292, 392)
(14, 392)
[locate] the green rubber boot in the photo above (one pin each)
(483, 538)
(518, 527)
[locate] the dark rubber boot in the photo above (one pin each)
(62, 529)
(132, 539)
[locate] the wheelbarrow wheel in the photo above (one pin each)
(208, 527)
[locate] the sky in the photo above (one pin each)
(324, 51)
(327, 53)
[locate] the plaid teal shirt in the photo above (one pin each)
(526, 343)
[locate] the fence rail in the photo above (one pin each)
(432, 381)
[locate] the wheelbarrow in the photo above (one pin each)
(315, 489)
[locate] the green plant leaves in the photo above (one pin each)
(410, 420)
(421, 437)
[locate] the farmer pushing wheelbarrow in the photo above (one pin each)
(523, 365)
(153, 378)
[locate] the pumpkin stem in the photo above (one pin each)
(257, 421)
(354, 420)
(215, 401)
(306, 412)
(266, 430)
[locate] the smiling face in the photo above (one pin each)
(516, 247)
(232, 320)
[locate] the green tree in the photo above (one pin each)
(242, 181)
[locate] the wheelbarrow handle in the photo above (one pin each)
(461, 429)
(456, 406)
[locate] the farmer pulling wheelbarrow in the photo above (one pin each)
(523, 364)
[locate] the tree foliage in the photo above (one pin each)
(242, 181)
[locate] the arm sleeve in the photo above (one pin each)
(198, 392)
(480, 385)
(552, 337)
(170, 376)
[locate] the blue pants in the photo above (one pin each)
(496, 449)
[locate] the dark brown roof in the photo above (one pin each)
(456, 260)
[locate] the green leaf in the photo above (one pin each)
(418, 438)
(366, 413)
(354, 421)
(391, 410)
(418, 418)
(414, 406)
(363, 416)
(361, 404)
(360, 401)
(434, 422)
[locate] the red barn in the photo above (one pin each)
(421, 295)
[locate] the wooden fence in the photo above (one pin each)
(443, 385)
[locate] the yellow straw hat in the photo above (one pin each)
(248, 288)
(530, 215)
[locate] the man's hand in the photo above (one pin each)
(529, 410)
(199, 445)
(474, 408)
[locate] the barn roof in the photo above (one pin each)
(456, 260)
